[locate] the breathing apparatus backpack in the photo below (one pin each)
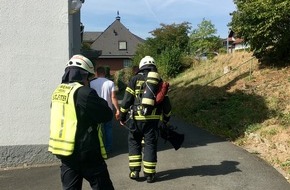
(154, 92)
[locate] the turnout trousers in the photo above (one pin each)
(149, 131)
(73, 179)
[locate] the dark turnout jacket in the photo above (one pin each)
(91, 110)
(135, 90)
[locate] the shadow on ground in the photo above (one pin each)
(224, 168)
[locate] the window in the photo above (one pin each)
(127, 63)
(122, 45)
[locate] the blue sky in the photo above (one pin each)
(143, 16)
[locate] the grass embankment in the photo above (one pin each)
(234, 97)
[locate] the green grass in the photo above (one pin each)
(201, 96)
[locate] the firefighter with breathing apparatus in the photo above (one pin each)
(143, 111)
(75, 138)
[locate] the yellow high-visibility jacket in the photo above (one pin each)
(63, 119)
(64, 122)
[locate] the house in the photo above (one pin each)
(117, 45)
(234, 44)
(239, 44)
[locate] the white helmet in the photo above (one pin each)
(82, 62)
(147, 60)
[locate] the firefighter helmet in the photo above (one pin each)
(82, 62)
(147, 60)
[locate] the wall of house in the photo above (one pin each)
(241, 46)
(114, 64)
(34, 46)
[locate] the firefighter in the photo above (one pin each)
(76, 111)
(142, 120)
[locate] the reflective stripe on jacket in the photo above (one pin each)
(132, 100)
(63, 121)
(101, 139)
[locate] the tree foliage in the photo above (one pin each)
(168, 44)
(171, 59)
(174, 35)
(264, 25)
(203, 38)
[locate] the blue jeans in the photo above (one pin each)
(108, 129)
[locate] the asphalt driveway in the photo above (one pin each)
(205, 162)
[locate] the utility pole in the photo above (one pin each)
(230, 35)
(228, 44)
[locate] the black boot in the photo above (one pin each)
(150, 178)
(134, 175)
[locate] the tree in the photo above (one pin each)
(168, 44)
(264, 25)
(174, 35)
(203, 38)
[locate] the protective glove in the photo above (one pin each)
(122, 119)
(163, 125)
(165, 119)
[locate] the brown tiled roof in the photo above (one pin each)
(238, 41)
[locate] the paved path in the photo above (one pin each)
(205, 162)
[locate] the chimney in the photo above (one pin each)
(118, 17)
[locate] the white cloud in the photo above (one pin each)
(143, 16)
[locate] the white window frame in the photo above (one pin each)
(122, 45)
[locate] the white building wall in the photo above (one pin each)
(34, 48)
(241, 46)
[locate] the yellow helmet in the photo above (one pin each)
(82, 62)
(147, 60)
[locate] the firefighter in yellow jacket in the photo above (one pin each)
(138, 105)
(76, 111)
